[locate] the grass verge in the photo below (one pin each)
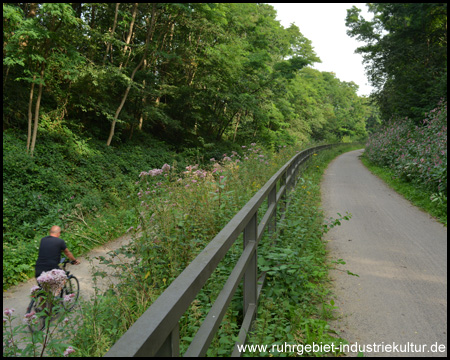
(296, 303)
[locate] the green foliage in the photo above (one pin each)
(325, 108)
(413, 159)
(210, 72)
(415, 153)
(73, 182)
(406, 55)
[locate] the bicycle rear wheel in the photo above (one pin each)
(38, 323)
(72, 286)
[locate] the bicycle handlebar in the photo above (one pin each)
(66, 260)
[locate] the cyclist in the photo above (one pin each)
(50, 250)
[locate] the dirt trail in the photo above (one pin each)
(400, 255)
(17, 297)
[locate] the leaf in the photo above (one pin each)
(339, 261)
(352, 274)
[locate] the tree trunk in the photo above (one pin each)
(122, 103)
(124, 98)
(131, 131)
(237, 125)
(30, 114)
(36, 111)
(32, 10)
(130, 32)
(108, 46)
(144, 99)
(224, 127)
(31, 14)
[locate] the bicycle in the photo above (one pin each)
(71, 286)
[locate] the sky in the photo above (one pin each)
(324, 25)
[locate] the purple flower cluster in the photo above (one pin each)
(30, 317)
(415, 153)
(194, 177)
(8, 312)
(52, 280)
(251, 153)
(69, 298)
(155, 172)
(69, 351)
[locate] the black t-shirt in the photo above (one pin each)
(49, 254)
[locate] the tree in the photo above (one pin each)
(40, 41)
(405, 55)
(189, 73)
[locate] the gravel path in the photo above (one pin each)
(400, 255)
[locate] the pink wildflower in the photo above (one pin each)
(69, 298)
(53, 279)
(28, 318)
(68, 351)
(8, 312)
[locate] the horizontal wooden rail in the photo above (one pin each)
(156, 332)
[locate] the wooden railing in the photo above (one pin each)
(156, 332)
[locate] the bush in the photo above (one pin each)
(416, 153)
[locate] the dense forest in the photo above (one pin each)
(405, 53)
(189, 74)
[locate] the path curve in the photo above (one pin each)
(400, 255)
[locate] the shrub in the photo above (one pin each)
(416, 153)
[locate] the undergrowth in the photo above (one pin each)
(179, 213)
(413, 159)
(191, 208)
(78, 184)
(296, 303)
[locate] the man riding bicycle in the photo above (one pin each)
(50, 250)
(49, 257)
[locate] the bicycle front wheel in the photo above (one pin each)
(38, 323)
(72, 286)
